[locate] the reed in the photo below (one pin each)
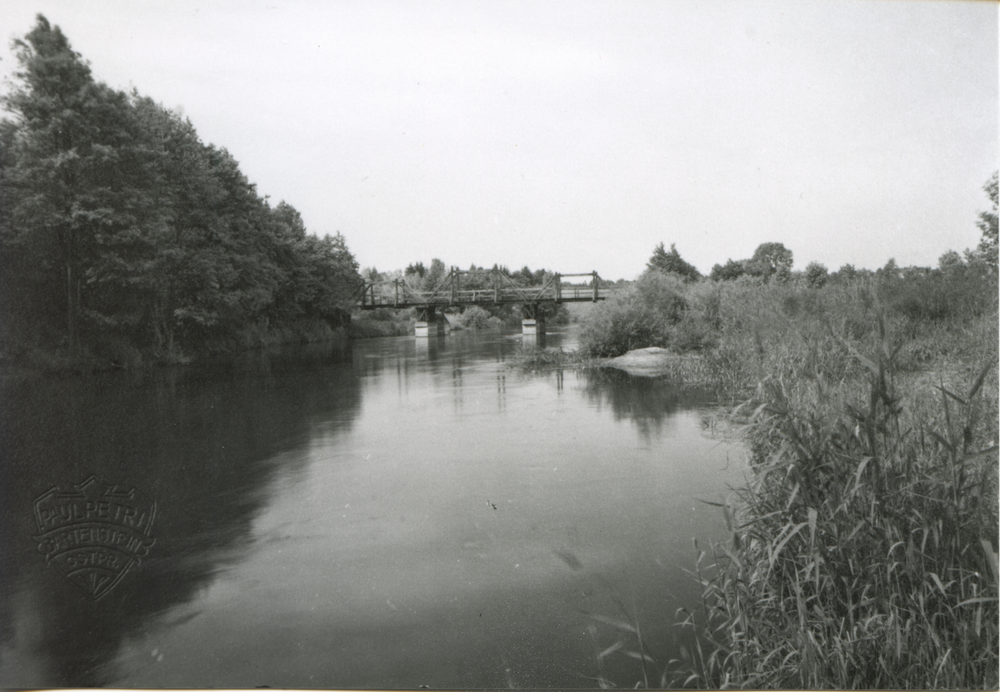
(863, 546)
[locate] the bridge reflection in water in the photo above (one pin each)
(482, 288)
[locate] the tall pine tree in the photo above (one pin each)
(74, 176)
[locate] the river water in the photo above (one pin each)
(386, 513)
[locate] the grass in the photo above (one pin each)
(863, 547)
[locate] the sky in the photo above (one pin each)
(577, 135)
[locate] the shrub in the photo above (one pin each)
(476, 317)
(958, 295)
(816, 275)
(381, 322)
(637, 317)
(693, 333)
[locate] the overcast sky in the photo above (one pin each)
(577, 135)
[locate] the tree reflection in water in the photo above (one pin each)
(203, 442)
(649, 402)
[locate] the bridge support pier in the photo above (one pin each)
(533, 325)
(429, 323)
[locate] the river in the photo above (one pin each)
(388, 513)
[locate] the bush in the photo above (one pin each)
(382, 314)
(476, 317)
(959, 294)
(693, 333)
(759, 329)
(381, 322)
(816, 275)
(637, 317)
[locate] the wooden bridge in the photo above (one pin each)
(483, 288)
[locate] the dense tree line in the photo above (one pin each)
(118, 223)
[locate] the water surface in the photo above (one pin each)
(389, 513)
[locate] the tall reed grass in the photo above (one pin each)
(863, 549)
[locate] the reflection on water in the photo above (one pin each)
(391, 513)
(643, 400)
(204, 443)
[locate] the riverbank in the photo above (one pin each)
(870, 511)
(110, 353)
(106, 354)
(869, 515)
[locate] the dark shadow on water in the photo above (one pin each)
(649, 402)
(204, 442)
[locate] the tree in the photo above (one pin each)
(771, 259)
(816, 275)
(417, 269)
(672, 263)
(950, 261)
(331, 277)
(729, 271)
(435, 275)
(847, 272)
(85, 187)
(988, 224)
(64, 167)
(115, 216)
(523, 276)
(889, 271)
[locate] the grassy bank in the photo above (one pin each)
(863, 545)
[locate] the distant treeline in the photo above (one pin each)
(124, 236)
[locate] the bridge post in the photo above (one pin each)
(429, 323)
(532, 325)
(595, 286)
